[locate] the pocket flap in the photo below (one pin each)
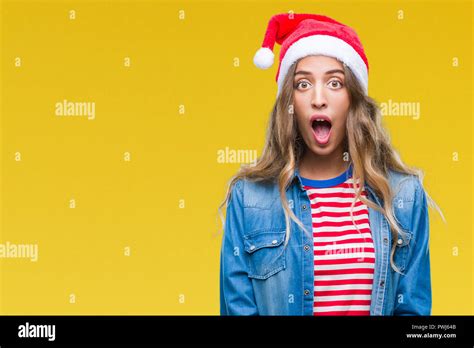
(264, 239)
(403, 240)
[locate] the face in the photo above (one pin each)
(321, 103)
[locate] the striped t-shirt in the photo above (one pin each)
(343, 258)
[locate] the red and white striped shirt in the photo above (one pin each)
(343, 258)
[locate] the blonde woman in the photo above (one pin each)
(329, 220)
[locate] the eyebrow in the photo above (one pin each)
(302, 72)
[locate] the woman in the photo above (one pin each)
(329, 220)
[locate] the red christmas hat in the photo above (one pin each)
(301, 35)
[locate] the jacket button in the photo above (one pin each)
(252, 247)
(385, 240)
(399, 241)
(306, 292)
(274, 241)
(382, 283)
(306, 247)
(304, 206)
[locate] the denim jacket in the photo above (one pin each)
(258, 276)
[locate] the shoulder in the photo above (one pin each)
(405, 187)
(257, 194)
(409, 202)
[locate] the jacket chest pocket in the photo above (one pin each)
(266, 253)
(402, 250)
(403, 213)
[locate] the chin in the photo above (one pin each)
(322, 150)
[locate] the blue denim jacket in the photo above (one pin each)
(259, 277)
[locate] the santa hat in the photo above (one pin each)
(301, 35)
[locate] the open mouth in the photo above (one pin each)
(321, 129)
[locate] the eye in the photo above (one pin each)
(303, 83)
(338, 83)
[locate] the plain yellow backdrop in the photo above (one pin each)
(143, 236)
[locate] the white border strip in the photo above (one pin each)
(328, 46)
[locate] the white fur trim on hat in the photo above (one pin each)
(263, 58)
(328, 46)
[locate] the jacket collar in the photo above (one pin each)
(370, 191)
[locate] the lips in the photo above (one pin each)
(321, 126)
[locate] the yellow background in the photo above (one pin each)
(173, 267)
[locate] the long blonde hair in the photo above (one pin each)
(366, 142)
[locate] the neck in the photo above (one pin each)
(318, 167)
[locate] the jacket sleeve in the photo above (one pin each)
(415, 284)
(236, 290)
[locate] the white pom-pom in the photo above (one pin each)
(263, 58)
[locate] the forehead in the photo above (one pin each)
(318, 64)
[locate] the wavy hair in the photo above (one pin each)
(366, 143)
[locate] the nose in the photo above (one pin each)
(318, 99)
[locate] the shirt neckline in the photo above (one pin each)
(328, 182)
